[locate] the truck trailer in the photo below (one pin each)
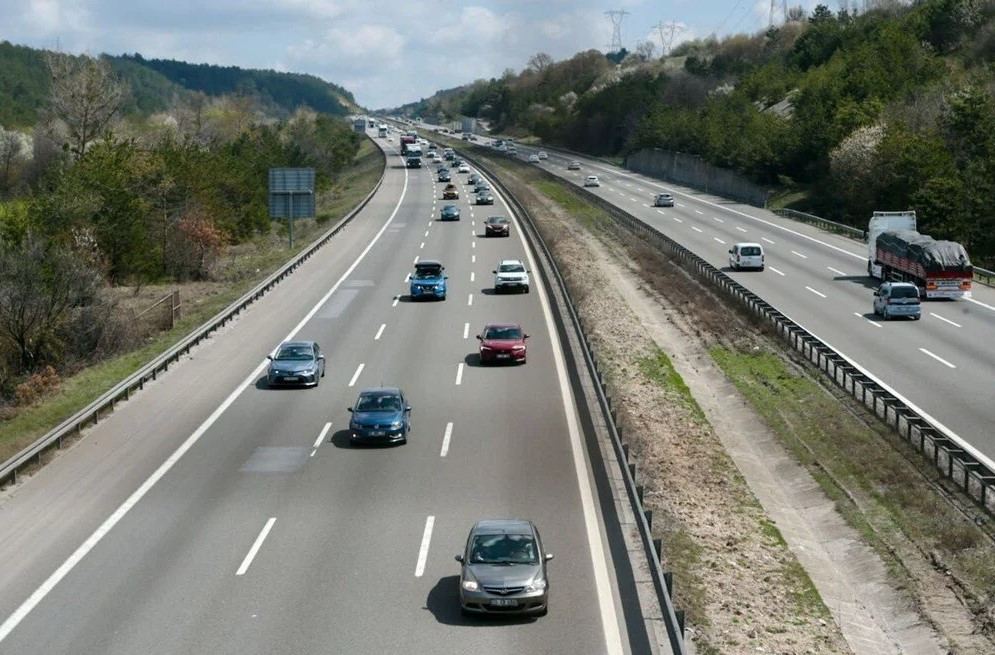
(897, 252)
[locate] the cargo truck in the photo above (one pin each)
(897, 252)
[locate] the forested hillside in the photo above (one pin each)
(155, 84)
(889, 109)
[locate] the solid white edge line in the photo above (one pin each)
(46, 587)
(355, 376)
(599, 558)
(383, 326)
(818, 293)
(459, 374)
(256, 545)
(426, 540)
(945, 320)
(445, 439)
(937, 358)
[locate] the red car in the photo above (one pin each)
(502, 342)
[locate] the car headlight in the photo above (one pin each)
(470, 585)
(397, 425)
(309, 371)
(536, 585)
(440, 287)
(485, 348)
(518, 347)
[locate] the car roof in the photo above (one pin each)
(503, 526)
(297, 343)
(664, 194)
(428, 263)
(380, 391)
(502, 325)
(746, 244)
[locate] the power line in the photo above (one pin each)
(728, 16)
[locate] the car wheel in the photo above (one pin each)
(885, 315)
(544, 612)
(526, 289)
(463, 611)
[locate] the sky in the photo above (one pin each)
(387, 52)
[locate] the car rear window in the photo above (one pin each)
(750, 251)
(904, 292)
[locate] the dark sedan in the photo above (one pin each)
(449, 213)
(296, 362)
(485, 198)
(380, 416)
(445, 175)
(496, 226)
(502, 342)
(503, 569)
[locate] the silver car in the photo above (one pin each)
(296, 362)
(504, 569)
(897, 299)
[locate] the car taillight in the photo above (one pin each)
(965, 285)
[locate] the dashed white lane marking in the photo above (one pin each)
(473, 244)
(767, 240)
(459, 374)
(416, 259)
(469, 300)
(945, 320)
(937, 358)
(677, 219)
(396, 300)
(874, 323)
(380, 331)
(422, 245)
(776, 271)
(426, 232)
(445, 439)
(407, 278)
(472, 276)
(426, 540)
(836, 270)
(719, 220)
(696, 229)
(256, 546)
(634, 200)
(795, 252)
(660, 212)
(719, 240)
(818, 293)
(473, 259)
(321, 438)
(698, 211)
(355, 376)
(678, 204)
(466, 330)
(741, 229)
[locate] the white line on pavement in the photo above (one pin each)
(716, 218)
(698, 211)
(416, 259)
(407, 278)
(355, 376)
(696, 229)
(473, 259)
(445, 439)
(426, 539)
(472, 276)
(466, 330)
(776, 271)
(660, 212)
(719, 240)
(426, 232)
(473, 244)
(678, 204)
(459, 374)
(818, 293)
(874, 323)
(741, 229)
(677, 219)
(321, 438)
(937, 358)
(256, 546)
(946, 320)
(396, 299)
(380, 332)
(422, 245)
(469, 300)
(795, 252)
(836, 270)
(767, 240)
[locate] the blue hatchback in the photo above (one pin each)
(380, 416)
(428, 282)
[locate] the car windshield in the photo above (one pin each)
(750, 251)
(378, 403)
(423, 272)
(904, 292)
(294, 354)
(503, 333)
(504, 549)
(511, 268)
(497, 219)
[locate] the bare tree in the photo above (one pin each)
(796, 14)
(11, 148)
(539, 62)
(86, 95)
(645, 50)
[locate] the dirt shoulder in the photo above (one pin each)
(823, 566)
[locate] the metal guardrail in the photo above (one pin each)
(662, 581)
(123, 390)
(974, 474)
(824, 223)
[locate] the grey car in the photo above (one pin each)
(296, 362)
(897, 299)
(504, 569)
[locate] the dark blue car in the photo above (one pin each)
(380, 416)
(428, 282)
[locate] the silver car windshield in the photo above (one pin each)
(511, 268)
(504, 549)
(294, 354)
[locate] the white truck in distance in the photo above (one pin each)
(897, 252)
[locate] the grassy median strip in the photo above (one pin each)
(252, 264)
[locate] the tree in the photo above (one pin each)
(645, 50)
(11, 149)
(539, 62)
(86, 94)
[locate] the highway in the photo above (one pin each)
(944, 364)
(212, 514)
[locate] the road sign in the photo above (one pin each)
(291, 195)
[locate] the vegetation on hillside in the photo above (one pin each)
(889, 109)
(94, 196)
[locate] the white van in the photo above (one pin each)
(746, 255)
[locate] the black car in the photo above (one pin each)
(485, 198)
(496, 226)
(473, 179)
(481, 186)
(297, 363)
(449, 213)
(445, 175)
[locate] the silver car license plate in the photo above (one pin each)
(504, 602)
(377, 433)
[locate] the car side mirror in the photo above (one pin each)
(408, 408)
(549, 556)
(730, 251)
(459, 558)
(494, 272)
(269, 357)
(322, 357)
(480, 338)
(445, 277)
(350, 410)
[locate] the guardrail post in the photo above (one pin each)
(658, 547)
(680, 619)
(668, 581)
(639, 493)
(648, 513)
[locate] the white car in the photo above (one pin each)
(542, 155)
(512, 150)
(663, 200)
(463, 168)
(573, 166)
(510, 275)
(592, 180)
(746, 255)
(533, 159)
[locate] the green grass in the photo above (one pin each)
(658, 368)
(268, 253)
(856, 459)
(788, 197)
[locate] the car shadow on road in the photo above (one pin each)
(473, 359)
(443, 603)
